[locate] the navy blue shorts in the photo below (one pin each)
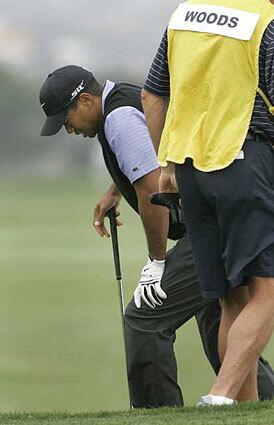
(230, 219)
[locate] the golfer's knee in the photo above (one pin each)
(132, 313)
(137, 323)
(129, 311)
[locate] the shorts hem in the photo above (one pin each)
(244, 280)
(214, 295)
(244, 274)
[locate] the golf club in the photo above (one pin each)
(116, 256)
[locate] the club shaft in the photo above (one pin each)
(121, 296)
(117, 263)
(122, 313)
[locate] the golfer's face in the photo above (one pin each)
(82, 120)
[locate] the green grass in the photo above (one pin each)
(249, 414)
(61, 341)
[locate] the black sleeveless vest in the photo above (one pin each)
(122, 94)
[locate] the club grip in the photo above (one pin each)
(115, 244)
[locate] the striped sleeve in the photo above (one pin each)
(129, 140)
(262, 121)
(158, 81)
(268, 47)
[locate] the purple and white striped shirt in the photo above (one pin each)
(128, 137)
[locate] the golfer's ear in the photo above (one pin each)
(86, 99)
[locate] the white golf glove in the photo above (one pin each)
(149, 288)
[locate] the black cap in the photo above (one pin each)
(59, 91)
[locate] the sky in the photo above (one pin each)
(109, 36)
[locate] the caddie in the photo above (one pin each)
(167, 294)
(215, 67)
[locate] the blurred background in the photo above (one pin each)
(61, 341)
(115, 39)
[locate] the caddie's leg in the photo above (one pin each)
(208, 320)
(246, 339)
(232, 305)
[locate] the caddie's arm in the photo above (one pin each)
(155, 100)
(155, 109)
(155, 219)
(156, 92)
(110, 199)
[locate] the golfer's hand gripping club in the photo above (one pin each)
(149, 288)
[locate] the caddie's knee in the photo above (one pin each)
(235, 301)
(262, 288)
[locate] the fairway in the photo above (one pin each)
(61, 339)
(248, 414)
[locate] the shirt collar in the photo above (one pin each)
(107, 89)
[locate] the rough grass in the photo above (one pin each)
(244, 414)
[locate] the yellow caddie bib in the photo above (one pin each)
(213, 56)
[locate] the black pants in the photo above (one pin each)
(150, 334)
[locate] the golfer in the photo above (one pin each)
(215, 65)
(167, 294)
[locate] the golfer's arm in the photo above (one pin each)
(155, 219)
(155, 109)
(113, 190)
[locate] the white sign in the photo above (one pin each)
(211, 19)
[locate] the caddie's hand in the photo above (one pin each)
(149, 288)
(167, 180)
(107, 202)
